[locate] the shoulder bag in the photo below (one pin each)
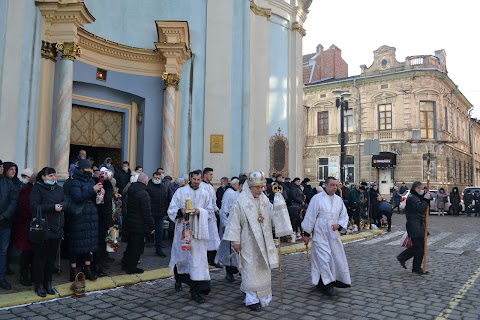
(38, 227)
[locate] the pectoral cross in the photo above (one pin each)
(260, 218)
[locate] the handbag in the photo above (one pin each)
(406, 241)
(38, 228)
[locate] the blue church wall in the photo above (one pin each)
(133, 23)
(3, 30)
(147, 92)
(279, 64)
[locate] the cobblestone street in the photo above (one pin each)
(381, 288)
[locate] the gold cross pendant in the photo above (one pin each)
(260, 218)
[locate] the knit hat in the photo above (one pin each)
(27, 172)
(83, 163)
(1, 163)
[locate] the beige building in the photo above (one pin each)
(412, 108)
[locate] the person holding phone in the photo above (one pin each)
(48, 197)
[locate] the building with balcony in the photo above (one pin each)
(412, 108)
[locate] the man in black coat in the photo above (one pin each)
(415, 210)
(158, 204)
(123, 176)
(8, 205)
(139, 222)
(221, 190)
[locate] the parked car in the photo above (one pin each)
(433, 202)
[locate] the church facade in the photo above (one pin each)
(176, 84)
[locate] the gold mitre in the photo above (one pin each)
(256, 179)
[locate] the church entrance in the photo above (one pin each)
(98, 132)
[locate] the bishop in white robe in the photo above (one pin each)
(250, 228)
(325, 217)
(191, 266)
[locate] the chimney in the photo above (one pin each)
(319, 49)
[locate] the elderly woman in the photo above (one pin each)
(48, 198)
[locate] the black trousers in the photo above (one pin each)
(135, 247)
(44, 255)
(202, 287)
(26, 264)
(211, 257)
(231, 270)
(416, 252)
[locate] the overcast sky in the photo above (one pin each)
(359, 27)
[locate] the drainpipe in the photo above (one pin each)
(359, 122)
(470, 141)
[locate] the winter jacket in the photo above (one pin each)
(415, 210)
(354, 199)
(307, 189)
(45, 197)
(8, 202)
(158, 199)
(24, 217)
(385, 208)
(442, 198)
(455, 197)
(139, 218)
(122, 178)
(397, 198)
(296, 196)
(83, 228)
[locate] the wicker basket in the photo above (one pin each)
(78, 286)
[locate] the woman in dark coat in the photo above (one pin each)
(48, 197)
(455, 201)
(415, 210)
(20, 237)
(84, 226)
(397, 198)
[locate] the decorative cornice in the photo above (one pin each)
(171, 80)
(49, 51)
(259, 11)
(70, 50)
(296, 26)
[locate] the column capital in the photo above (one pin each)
(49, 51)
(171, 80)
(296, 26)
(69, 50)
(260, 11)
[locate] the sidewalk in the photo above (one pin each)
(154, 266)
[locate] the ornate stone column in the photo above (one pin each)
(63, 118)
(169, 115)
(174, 45)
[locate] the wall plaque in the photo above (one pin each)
(216, 143)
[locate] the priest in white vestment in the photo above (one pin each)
(214, 241)
(191, 266)
(226, 254)
(250, 229)
(325, 217)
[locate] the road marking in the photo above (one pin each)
(462, 241)
(478, 249)
(458, 297)
(431, 240)
(384, 237)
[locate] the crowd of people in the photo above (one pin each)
(230, 227)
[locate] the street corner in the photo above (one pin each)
(361, 235)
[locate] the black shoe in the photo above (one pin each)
(40, 290)
(9, 272)
(135, 270)
(420, 272)
(230, 277)
(161, 254)
(5, 285)
(197, 298)
(402, 263)
(48, 287)
(178, 286)
(100, 273)
(89, 274)
(255, 307)
(330, 291)
(388, 230)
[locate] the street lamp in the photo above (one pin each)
(341, 102)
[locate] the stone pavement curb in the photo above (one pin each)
(63, 290)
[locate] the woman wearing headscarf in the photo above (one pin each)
(48, 198)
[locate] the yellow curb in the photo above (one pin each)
(24, 297)
(125, 279)
(155, 274)
(287, 250)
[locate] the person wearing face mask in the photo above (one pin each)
(158, 204)
(415, 210)
(107, 163)
(48, 197)
(455, 201)
(84, 227)
(307, 187)
(25, 176)
(123, 176)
